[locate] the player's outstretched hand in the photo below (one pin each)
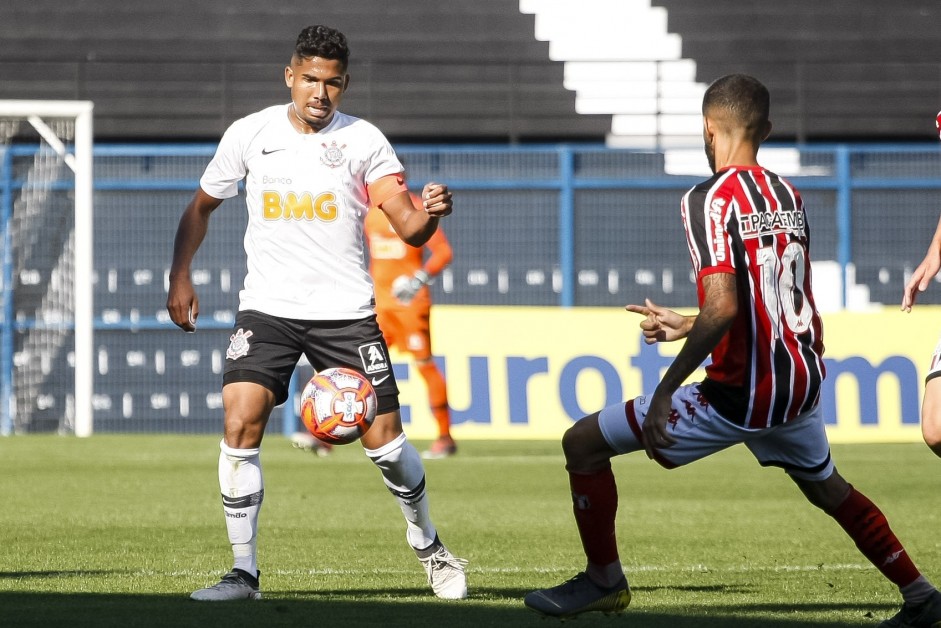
(660, 324)
(920, 279)
(436, 200)
(183, 304)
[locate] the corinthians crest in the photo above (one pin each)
(238, 344)
(333, 155)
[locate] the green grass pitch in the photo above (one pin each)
(116, 531)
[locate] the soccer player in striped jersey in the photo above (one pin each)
(748, 239)
(401, 274)
(310, 174)
(919, 282)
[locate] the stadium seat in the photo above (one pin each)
(512, 90)
(835, 81)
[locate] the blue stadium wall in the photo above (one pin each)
(560, 228)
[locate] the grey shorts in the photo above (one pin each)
(799, 446)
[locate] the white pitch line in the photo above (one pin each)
(538, 570)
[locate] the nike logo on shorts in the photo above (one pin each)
(267, 151)
(378, 380)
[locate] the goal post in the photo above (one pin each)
(62, 130)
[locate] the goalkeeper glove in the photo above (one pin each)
(405, 288)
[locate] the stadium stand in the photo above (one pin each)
(845, 69)
(421, 69)
(474, 71)
(620, 60)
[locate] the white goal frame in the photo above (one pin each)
(81, 163)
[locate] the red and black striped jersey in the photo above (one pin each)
(750, 222)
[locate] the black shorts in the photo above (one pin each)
(265, 349)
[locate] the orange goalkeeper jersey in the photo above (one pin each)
(391, 258)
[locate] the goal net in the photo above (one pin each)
(46, 322)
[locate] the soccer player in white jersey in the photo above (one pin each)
(748, 240)
(310, 174)
(919, 282)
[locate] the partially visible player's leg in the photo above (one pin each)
(594, 497)
(444, 446)
(802, 449)
(931, 415)
(413, 333)
(602, 586)
(360, 345)
(589, 446)
(865, 523)
(242, 486)
(259, 363)
(931, 405)
(404, 475)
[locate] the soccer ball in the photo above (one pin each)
(338, 405)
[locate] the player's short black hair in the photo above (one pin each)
(744, 97)
(324, 42)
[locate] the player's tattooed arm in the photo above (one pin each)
(715, 317)
(719, 309)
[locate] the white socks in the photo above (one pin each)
(404, 475)
(242, 486)
(243, 490)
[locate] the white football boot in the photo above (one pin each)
(235, 585)
(445, 573)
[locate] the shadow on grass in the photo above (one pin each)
(406, 607)
(18, 575)
(760, 616)
(695, 588)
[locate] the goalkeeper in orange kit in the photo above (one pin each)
(401, 274)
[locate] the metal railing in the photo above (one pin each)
(559, 226)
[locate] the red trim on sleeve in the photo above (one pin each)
(711, 270)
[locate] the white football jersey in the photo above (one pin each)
(307, 199)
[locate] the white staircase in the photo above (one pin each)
(620, 60)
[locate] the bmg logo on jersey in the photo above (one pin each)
(291, 206)
(374, 358)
